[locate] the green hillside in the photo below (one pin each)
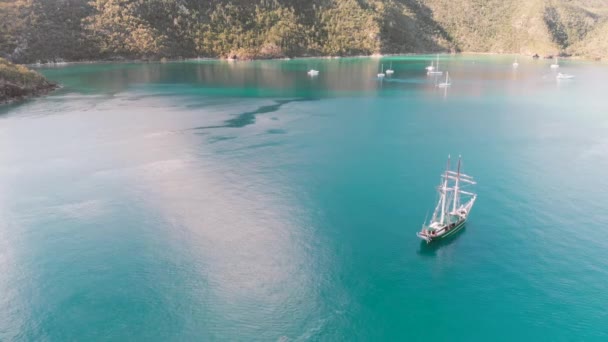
(43, 30)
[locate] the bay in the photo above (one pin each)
(212, 200)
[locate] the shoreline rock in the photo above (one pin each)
(18, 83)
(11, 93)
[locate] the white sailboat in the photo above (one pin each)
(313, 72)
(436, 70)
(447, 83)
(555, 65)
(381, 74)
(561, 76)
(515, 64)
(390, 70)
(453, 207)
(430, 67)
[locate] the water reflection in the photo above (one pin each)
(248, 118)
(257, 78)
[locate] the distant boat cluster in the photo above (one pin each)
(553, 66)
(433, 70)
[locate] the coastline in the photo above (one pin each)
(234, 60)
(12, 93)
(18, 82)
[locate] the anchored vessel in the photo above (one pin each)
(381, 74)
(390, 70)
(434, 70)
(453, 207)
(447, 83)
(561, 76)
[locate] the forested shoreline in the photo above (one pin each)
(74, 30)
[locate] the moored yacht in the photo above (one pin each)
(447, 83)
(435, 70)
(561, 76)
(381, 74)
(390, 70)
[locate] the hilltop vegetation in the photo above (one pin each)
(17, 81)
(50, 30)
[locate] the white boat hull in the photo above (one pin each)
(564, 77)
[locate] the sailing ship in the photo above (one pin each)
(555, 64)
(453, 207)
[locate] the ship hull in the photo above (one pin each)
(458, 227)
(450, 232)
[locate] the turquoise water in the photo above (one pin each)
(208, 200)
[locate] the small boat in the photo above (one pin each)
(430, 67)
(447, 83)
(446, 221)
(561, 76)
(313, 72)
(435, 71)
(515, 64)
(390, 70)
(555, 65)
(381, 74)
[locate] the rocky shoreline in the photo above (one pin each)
(237, 59)
(10, 92)
(18, 83)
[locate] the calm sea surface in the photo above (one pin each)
(208, 200)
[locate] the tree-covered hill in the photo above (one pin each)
(47, 30)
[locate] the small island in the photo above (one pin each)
(18, 82)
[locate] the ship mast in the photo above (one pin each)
(444, 189)
(456, 186)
